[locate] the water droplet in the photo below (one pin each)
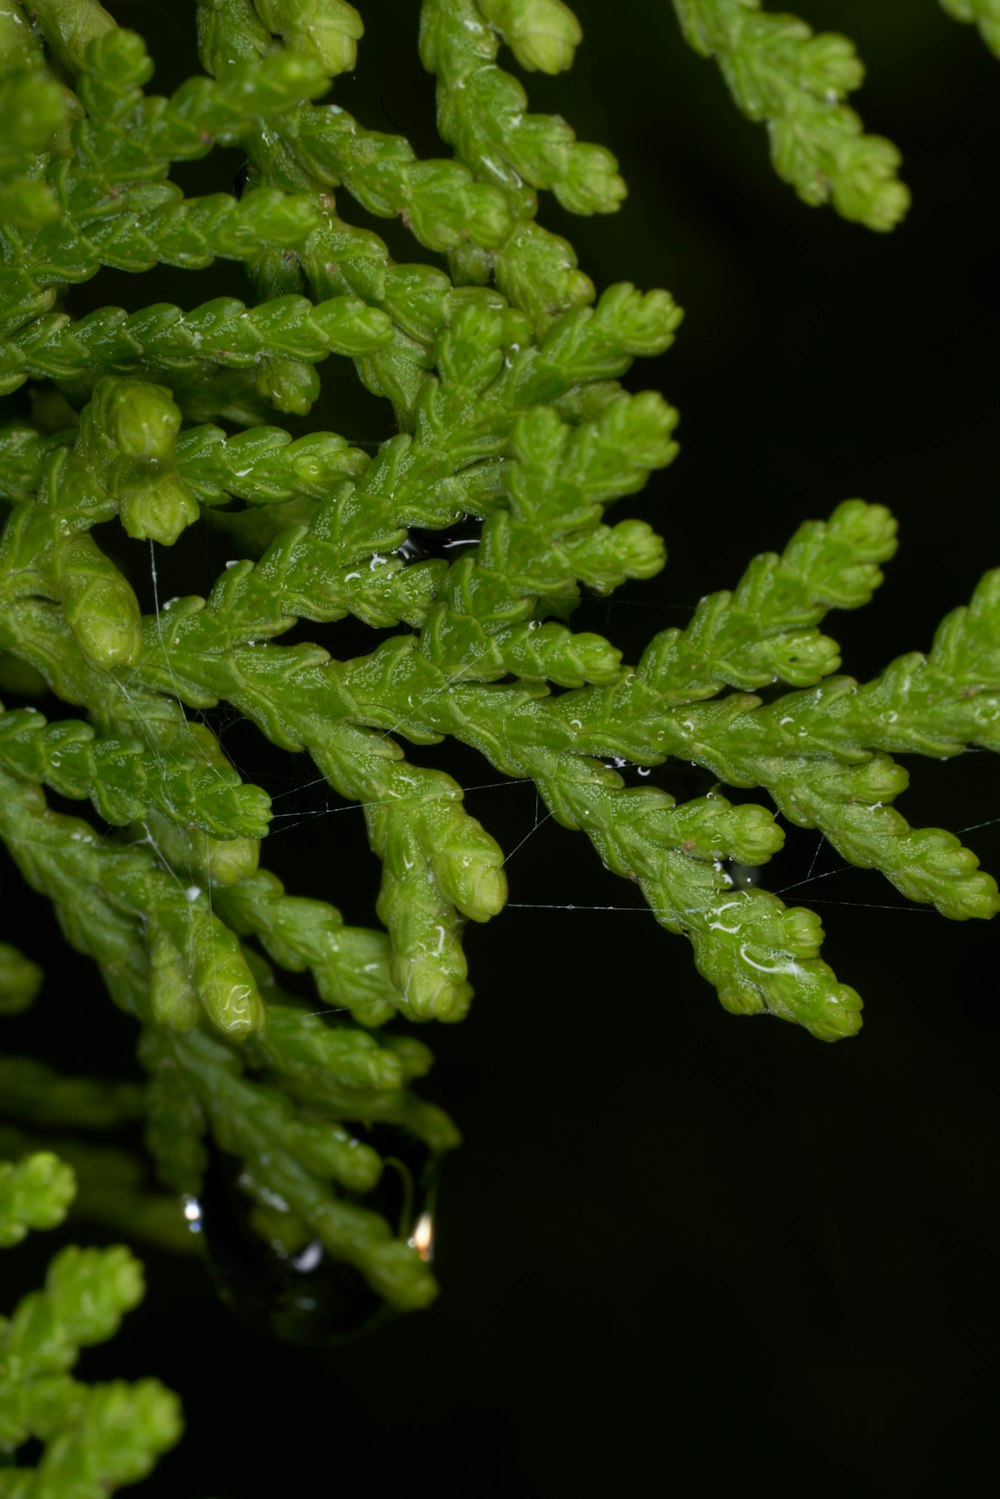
(233, 563)
(411, 551)
(308, 1259)
(303, 1295)
(644, 770)
(744, 876)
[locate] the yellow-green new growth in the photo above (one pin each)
(503, 375)
(779, 72)
(94, 1437)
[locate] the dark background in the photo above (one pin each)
(679, 1249)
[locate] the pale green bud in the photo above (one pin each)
(34, 1193)
(471, 874)
(143, 419)
(754, 834)
(158, 509)
(433, 983)
(172, 998)
(329, 41)
(328, 30)
(542, 34)
(229, 995)
(291, 385)
(100, 607)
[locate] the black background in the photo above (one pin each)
(678, 1249)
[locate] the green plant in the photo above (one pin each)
(503, 380)
(96, 1437)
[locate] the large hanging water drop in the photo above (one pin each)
(302, 1294)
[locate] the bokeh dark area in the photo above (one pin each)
(680, 1252)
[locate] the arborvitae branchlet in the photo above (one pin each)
(512, 431)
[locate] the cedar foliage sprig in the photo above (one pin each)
(503, 376)
(779, 71)
(96, 1437)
